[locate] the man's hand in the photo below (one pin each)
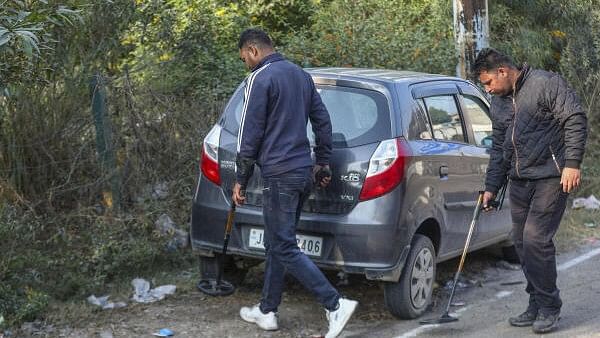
(488, 197)
(322, 175)
(570, 179)
(238, 195)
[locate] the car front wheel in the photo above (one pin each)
(409, 297)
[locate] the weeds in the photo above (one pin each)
(73, 256)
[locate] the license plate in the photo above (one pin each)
(310, 245)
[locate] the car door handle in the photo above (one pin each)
(443, 171)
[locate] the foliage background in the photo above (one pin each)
(168, 67)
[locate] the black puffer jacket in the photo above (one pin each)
(538, 131)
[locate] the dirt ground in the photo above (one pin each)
(189, 313)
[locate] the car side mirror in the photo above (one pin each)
(486, 142)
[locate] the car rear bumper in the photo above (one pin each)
(365, 241)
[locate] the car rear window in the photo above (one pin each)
(358, 116)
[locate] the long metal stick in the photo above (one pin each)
(228, 227)
(464, 254)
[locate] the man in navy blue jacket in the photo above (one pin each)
(279, 99)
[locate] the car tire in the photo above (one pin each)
(209, 266)
(509, 254)
(409, 297)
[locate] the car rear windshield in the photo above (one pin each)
(358, 116)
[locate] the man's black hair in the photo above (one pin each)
(255, 36)
(490, 59)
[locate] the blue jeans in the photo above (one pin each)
(283, 196)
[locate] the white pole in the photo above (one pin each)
(471, 32)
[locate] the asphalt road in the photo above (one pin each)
(487, 308)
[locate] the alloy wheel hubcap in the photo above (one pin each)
(422, 278)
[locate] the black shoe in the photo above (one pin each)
(545, 323)
(524, 319)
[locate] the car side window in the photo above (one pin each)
(445, 118)
(233, 113)
(477, 114)
(424, 130)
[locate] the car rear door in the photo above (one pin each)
(360, 117)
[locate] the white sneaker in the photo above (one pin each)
(338, 318)
(267, 322)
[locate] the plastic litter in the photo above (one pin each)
(143, 293)
(38, 328)
(166, 226)
(106, 334)
(458, 303)
(104, 303)
(590, 203)
(590, 225)
(507, 266)
(163, 333)
(160, 191)
(459, 284)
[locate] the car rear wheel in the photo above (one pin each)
(409, 297)
(209, 266)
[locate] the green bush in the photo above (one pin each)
(74, 256)
(406, 35)
(20, 304)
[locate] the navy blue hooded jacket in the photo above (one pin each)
(279, 99)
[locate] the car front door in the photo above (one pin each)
(458, 181)
(475, 110)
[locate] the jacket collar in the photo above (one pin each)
(525, 71)
(268, 59)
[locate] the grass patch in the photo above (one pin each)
(67, 258)
(573, 230)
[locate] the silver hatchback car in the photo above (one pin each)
(410, 152)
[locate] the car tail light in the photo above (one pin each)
(386, 169)
(209, 164)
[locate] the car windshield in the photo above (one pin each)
(358, 116)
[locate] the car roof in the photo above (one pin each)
(383, 75)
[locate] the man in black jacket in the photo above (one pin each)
(280, 98)
(539, 134)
